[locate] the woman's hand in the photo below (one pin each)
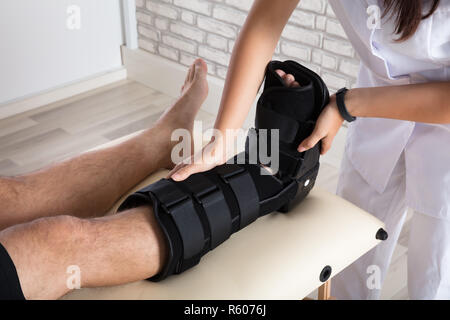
(217, 151)
(327, 126)
(213, 154)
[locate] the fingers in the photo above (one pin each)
(315, 138)
(289, 79)
(187, 167)
(175, 169)
(186, 170)
(326, 145)
(310, 142)
(281, 73)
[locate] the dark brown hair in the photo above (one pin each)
(408, 15)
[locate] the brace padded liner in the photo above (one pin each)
(294, 112)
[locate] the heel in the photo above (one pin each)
(305, 186)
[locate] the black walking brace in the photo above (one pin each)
(293, 111)
(199, 213)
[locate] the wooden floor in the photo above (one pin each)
(66, 128)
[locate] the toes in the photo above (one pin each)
(187, 79)
(191, 73)
(187, 75)
(295, 84)
(200, 68)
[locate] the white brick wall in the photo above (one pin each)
(181, 30)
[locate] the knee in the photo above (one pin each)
(42, 250)
(59, 231)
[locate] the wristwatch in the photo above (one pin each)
(340, 101)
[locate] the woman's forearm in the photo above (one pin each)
(253, 50)
(427, 102)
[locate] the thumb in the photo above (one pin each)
(309, 142)
(175, 170)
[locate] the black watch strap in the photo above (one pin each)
(340, 101)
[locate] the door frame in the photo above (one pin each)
(130, 23)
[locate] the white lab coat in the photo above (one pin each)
(392, 165)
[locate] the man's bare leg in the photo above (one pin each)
(111, 250)
(90, 184)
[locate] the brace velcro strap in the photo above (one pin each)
(244, 190)
(310, 159)
(267, 118)
(295, 164)
(181, 208)
(290, 160)
(291, 131)
(215, 207)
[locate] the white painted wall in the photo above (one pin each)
(39, 52)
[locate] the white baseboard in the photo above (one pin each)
(49, 96)
(168, 77)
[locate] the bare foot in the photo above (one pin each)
(182, 114)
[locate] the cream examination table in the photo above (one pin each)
(280, 256)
